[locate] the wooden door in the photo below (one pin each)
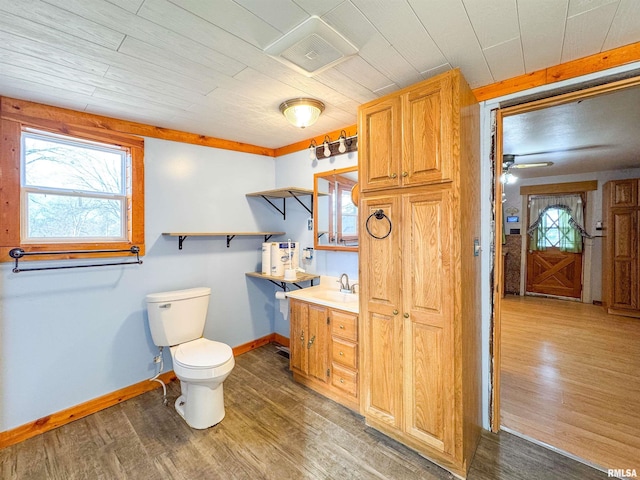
(553, 272)
(299, 336)
(427, 133)
(380, 277)
(624, 268)
(318, 343)
(379, 144)
(429, 381)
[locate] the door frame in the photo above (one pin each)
(498, 260)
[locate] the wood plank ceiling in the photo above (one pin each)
(199, 66)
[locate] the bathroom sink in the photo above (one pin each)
(333, 296)
(327, 297)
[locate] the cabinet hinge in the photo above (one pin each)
(328, 320)
(328, 372)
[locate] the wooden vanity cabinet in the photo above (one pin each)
(324, 351)
(621, 261)
(406, 139)
(420, 284)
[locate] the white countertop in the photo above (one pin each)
(328, 294)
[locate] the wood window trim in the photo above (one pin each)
(559, 188)
(10, 144)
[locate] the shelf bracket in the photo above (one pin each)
(181, 238)
(229, 238)
(267, 237)
(284, 206)
(283, 285)
(310, 210)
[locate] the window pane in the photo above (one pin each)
(54, 163)
(63, 216)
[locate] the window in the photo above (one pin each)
(72, 189)
(555, 231)
(67, 183)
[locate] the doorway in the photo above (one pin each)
(559, 338)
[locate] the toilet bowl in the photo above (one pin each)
(201, 366)
(176, 320)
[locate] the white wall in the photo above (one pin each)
(594, 207)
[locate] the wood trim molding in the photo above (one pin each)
(351, 130)
(24, 111)
(575, 68)
(281, 339)
(77, 412)
(552, 188)
(258, 342)
(55, 420)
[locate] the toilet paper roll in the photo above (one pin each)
(284, 305)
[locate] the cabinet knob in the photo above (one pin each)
(302, 336)
(406, 315)
(313, 339)
(405, 174)
(393, 175)
(342, 380)
(341, 353)
(341, 327)
(395, 312)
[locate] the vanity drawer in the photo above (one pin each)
(345, 380)
(344, 325)
(345, 353)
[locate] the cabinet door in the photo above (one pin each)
(428, 319)
(427, 116)
(624, 226)
(379, 145)
(318, 343)
(299, 314)
(624, 193)
(381, 340)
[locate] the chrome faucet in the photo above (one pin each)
(344, 283)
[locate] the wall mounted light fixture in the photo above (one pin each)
(326, 151)
(302, 112)
(312, 150)
(330, 147)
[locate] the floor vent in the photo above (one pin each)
(311, 47)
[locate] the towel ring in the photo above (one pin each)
(379, 215)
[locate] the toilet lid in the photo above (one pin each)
(202, 353)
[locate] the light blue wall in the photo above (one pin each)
(296, 170)
(69, 336)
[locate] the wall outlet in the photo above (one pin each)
(157, 359)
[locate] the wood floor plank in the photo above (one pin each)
(274, 429)
(571, 378)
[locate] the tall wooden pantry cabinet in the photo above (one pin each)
(620, 259)
(419, 270)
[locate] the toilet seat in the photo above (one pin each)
(202, 354)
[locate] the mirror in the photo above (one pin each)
(335, 210)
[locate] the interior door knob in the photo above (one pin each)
(406, 315)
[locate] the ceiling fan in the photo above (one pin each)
(509, 162)
(509, 159)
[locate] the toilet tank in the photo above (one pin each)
(179, 316)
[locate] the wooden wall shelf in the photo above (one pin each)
(230, 235)
(284, 193)
(281, 282)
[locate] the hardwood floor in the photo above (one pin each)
(571, 378)
(273, 429)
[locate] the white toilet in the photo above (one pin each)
(177, 319)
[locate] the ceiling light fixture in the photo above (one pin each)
(302, 112)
